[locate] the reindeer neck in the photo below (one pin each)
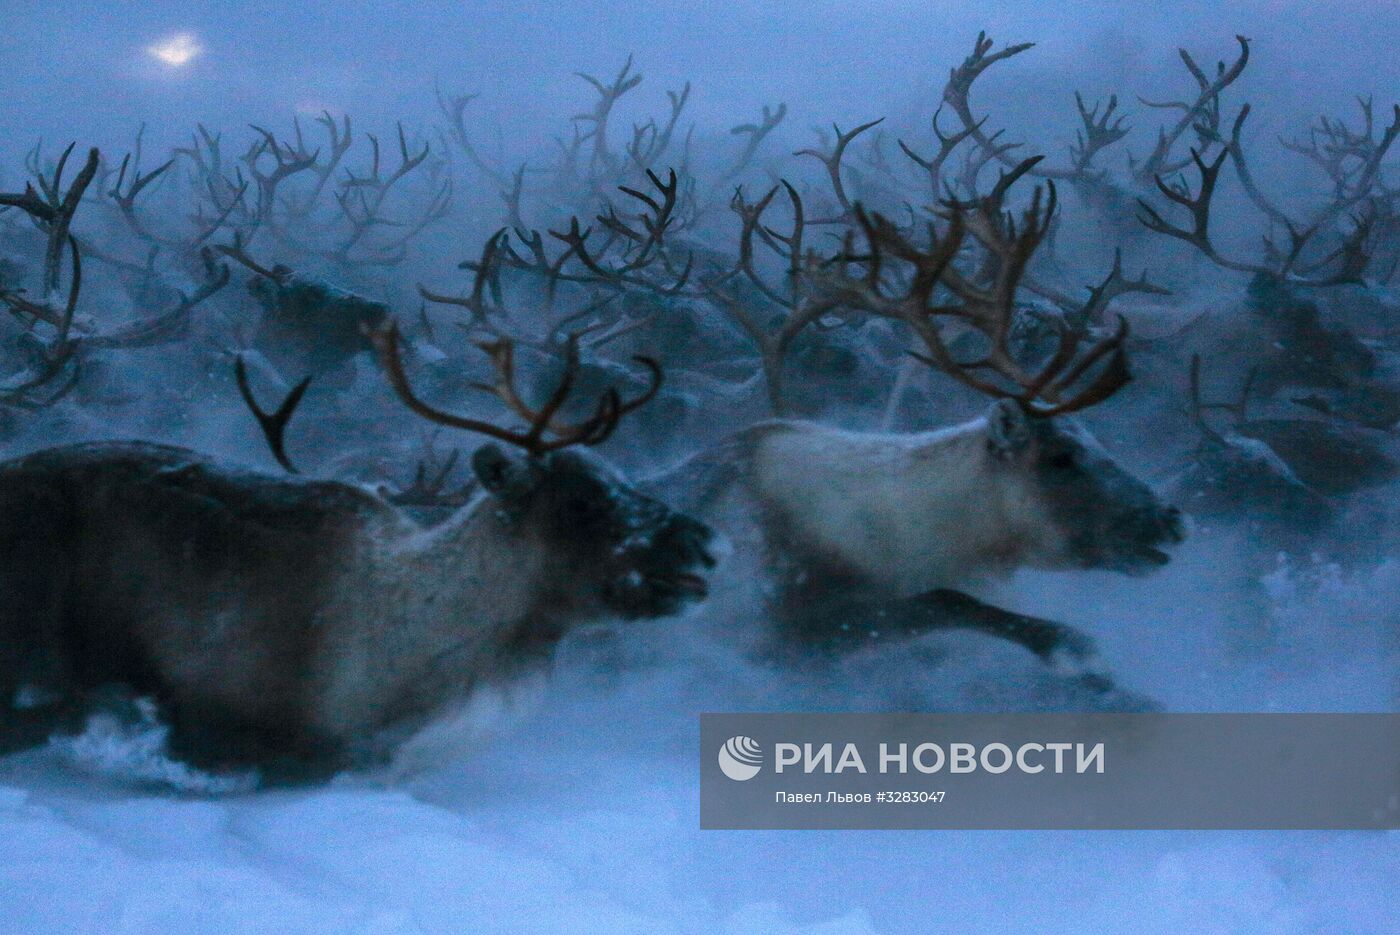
(909, 511)
(478, 562)
(425, 610)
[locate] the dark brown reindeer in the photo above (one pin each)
(1292, 348)
(292, 621)
(306, 325)
(1281, 474)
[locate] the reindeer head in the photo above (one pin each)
(1234, 476)
(1078, 508)
(1090, 512)
(612, 549)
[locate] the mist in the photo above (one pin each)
(87, 74)
(568, 801)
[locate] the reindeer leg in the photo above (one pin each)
(838, 624)
(844, 623)
(948, 609)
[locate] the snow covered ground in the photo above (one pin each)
(579, 812)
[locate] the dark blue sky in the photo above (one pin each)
(81, 72)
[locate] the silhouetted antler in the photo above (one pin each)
(540, 422)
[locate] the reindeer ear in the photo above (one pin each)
(505, 476)
(1008, 428)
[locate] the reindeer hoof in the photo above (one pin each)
(1060, 644)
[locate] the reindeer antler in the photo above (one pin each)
(541, 422)
(990, 310)
(273, 424)
(985, 298)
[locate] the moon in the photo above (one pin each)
(176, 51)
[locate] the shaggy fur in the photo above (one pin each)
(277, 616)
(844, 524)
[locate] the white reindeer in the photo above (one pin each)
(857, 535)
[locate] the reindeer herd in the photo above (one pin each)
(769, 350)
